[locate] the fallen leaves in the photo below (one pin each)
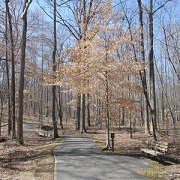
(23, 162)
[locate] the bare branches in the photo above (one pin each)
(169, 57)
(161, 6)
(26, 8)
(148, 11)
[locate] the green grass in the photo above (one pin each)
(152, 173)
(101, 146)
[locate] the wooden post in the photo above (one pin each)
(112, 137)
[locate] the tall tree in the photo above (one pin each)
(152, 72)
(13, 104)
(7, 74)
(152, 86)
(144, 74)
(21, 78)
(54, 70)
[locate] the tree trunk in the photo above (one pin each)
(12, 72)
(152, 76)
(88, 111)
(60, 109)
(123, 117)
(21, 78)
(1, 110)
(130, 126)
(143, 75)
(7, 75)
(107, 114)
(78, 112)
(41, 107)
(83, 114)
(83, 96)
(54, 70)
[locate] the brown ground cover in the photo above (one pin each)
(35, 159)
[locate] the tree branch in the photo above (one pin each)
(161, 6)
(26, 8)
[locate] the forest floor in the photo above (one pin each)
(35, 159)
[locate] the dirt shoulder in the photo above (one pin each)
(33, 160)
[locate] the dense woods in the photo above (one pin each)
(90, 63)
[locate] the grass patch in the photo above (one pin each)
(119, 150)
(153, 172)
(101, 146)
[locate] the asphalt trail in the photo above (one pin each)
(77, 158)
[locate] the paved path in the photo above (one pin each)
(33, 127)
(78, 159)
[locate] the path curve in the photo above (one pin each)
(77, 158)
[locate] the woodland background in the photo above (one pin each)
(90, 62)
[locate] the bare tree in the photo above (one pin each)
(54, 70)
(7, 75)
(12, 70)
(143, 75)
(21, 78)
(152, 87)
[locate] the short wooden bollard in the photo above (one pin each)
(112, 137)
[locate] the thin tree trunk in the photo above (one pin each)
(12, 72)
(60, 109)
(1, 110)
(166, 96)
(21, 79)
(78, 112)
(83, 96)
(88, 110)
(54, 70)
(41, 108)
(130, 126)
(107, 114)
(152, 76)
(162, 107)
(7, 75)
(123, 117)
(83, 114)
(143, 75)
